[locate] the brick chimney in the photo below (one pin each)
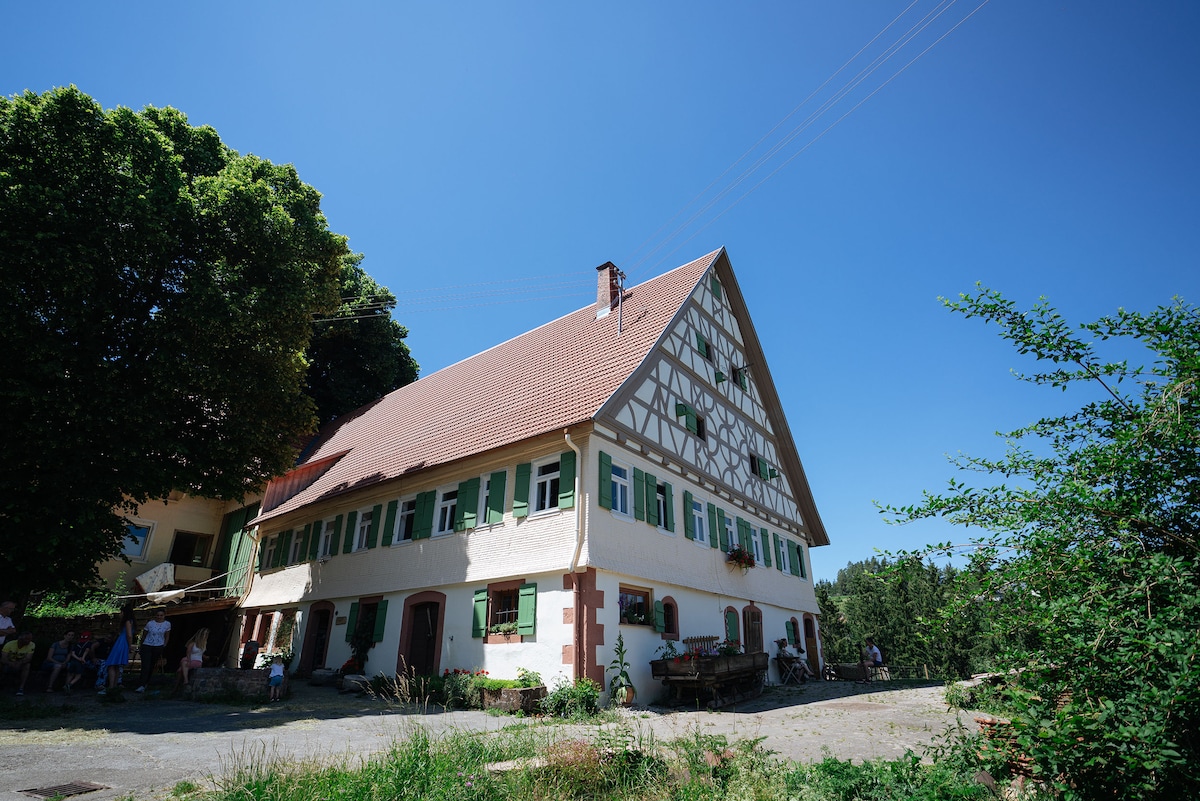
(608, 288)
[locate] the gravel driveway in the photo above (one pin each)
(145, 745)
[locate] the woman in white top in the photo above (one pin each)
(155, 636)
(193, 656)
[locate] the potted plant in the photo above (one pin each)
(740, 557)
(620, 687)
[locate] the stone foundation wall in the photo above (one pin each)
(207, 683)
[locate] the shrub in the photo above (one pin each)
(578, 699)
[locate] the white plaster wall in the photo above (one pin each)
(542, 652)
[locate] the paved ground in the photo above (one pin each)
(145, 745)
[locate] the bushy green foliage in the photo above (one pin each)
(1088, 566)
(89, 602)
(577, 699)
(899, 604)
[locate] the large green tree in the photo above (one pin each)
(1088, 568)
(158, 291)
(357, 353)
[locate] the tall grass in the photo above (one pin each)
(603, 763)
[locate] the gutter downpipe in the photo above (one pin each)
(577, 645)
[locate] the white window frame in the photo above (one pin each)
(783, 556)
(447, 507)
(327, 533)
(269, 547)
(297, 555)
(546, 487)
(730, 532)
(363, 528)
(404, 515)
(660, 500)
(699, 522)
(621, 489)
(756, 535)
(137, 523)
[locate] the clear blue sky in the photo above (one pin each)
(1043, 148)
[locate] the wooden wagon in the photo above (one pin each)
(715, 680)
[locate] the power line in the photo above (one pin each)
(902, 41)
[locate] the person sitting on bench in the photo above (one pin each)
(871, 659)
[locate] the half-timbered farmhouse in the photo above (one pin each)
(524, 506)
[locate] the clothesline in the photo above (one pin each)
(172, 595)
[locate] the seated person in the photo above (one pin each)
(16, 657)
(80, 660)
(57, 656)
(871, 659)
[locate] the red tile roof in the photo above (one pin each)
(545, 380)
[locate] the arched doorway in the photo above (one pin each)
(316, 637)
(810, 644)
(421, 634)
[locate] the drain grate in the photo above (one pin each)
(63, 790)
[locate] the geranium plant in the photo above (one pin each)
(740, 557)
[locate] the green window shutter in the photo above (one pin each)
(778, 552)
(791, 633)
(689, 524)
(496, 482)
(605, 478)
(766, 548)
(348, 541)
(652, 500)
(527, 610)
(720, 377)
(352, 621)
(713, 538)
(716, 287)
(731, 625)
(723, 532)
(337, 535)
(702, 344)
(380, 624)
(465, 511)
(639, 494)
(669, 509)
(389, 522)
(277, 559)
(680, 409)
(741, 378)
(479, 614)
(287, 547)
(660, 617)
(521, 491)
(763, 468)
(314, 542)
(566, 480)
(743, 534)
(376, 521)
(793, 558)
(423, 525)
(691, 422)
(800, 561)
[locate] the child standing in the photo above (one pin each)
(275, 680)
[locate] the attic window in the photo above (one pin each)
(716, 287)
(704, 347)
(739, 378)
(692, 422)
(762, 468)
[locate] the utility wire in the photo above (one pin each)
(849, 86)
